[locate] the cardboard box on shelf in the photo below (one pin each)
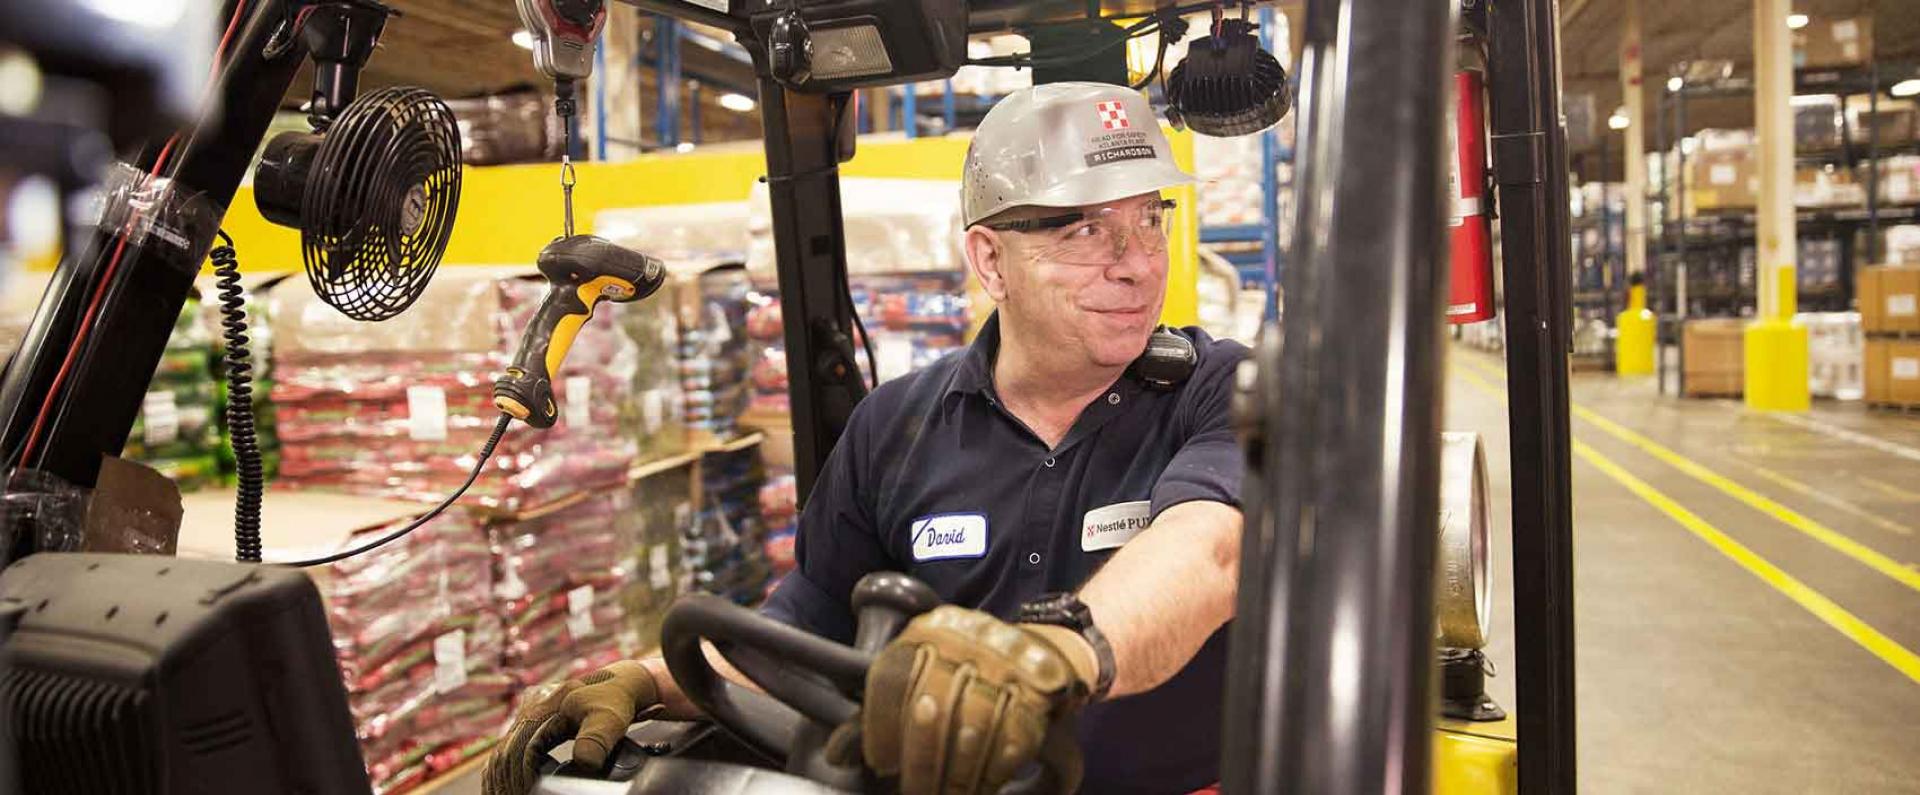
(1901, 244)
(1829, 43)
(1876, 370)
(1889, 298)
(777, 448)
(1816, 122)
(1890, 121)
(1893, 371)
(1720, 175)
(1713, 349)
(1900, 179)
(1826, 186)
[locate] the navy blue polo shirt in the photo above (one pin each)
(934, 478)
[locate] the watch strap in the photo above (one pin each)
(1067, 611)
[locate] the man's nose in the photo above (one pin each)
(1135, 264)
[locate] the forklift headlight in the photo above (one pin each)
(847, 44)
(1463, 603)
(851, 51)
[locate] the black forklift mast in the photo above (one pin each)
(106, 381)
(806, 139)
(1332, 677)
(1529, 147)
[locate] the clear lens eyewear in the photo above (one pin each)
(1100, 237)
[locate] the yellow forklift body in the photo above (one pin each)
(1475, 758)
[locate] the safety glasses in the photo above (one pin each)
(1099, 237)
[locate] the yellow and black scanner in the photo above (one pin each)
(581, 271)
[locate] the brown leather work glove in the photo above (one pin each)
(961, 701)
(594, 710)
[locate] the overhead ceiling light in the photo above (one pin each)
(1674, 83)
(1906, 88)
(736, 102)
(524, 39)
(145, 13)
(1618, 121)
(1796, 21)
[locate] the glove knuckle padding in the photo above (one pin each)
(889, 681)
(594, 710)
(960, 702)
(929, 721)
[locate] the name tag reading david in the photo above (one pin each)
(949, 535)
(1112, 526)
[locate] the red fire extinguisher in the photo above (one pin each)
(1471, 297)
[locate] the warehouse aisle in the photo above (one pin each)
(1747, 596)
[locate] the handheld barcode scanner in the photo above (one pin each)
(583, 271)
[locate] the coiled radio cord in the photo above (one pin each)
(245, 439)
(241, 432)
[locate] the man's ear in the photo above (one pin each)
(987, 255)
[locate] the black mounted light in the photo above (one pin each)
(838, 46)
(1228, 84)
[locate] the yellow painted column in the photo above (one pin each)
(1776, 346)
(1636, 141)
(1633, 344)
(1183, 246)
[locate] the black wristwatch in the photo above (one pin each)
(1066, 610)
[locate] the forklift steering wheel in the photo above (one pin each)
(813, 685)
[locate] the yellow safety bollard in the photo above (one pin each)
(1776, 355)
(1633, 345)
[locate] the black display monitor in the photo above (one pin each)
(147, 674)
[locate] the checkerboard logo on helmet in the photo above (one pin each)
(1113, 115)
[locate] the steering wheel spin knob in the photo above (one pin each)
(883, 603)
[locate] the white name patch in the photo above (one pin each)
(949, 535)
(1112, 526)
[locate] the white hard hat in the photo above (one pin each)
(1066, 145)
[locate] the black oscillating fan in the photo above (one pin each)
(1228, 84)
(373, 194)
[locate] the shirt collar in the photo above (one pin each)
(975, 374)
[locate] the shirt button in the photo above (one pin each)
(1113, 398)
(1049, 463)
(1033, 558)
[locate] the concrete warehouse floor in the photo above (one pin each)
(1777, 657)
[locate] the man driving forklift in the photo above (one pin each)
(1068, 484)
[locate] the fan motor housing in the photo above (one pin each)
(374, 195)
(281, 178)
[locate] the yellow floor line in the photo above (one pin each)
(1834, 540)
(1846, 623)
(1890, 490)
(1844, 434)
(1828, 611)
(1828, 499)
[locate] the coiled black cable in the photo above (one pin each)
(241, 434)
(245, 440)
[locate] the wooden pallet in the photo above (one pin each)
(1894, 408)
(1590, 363)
